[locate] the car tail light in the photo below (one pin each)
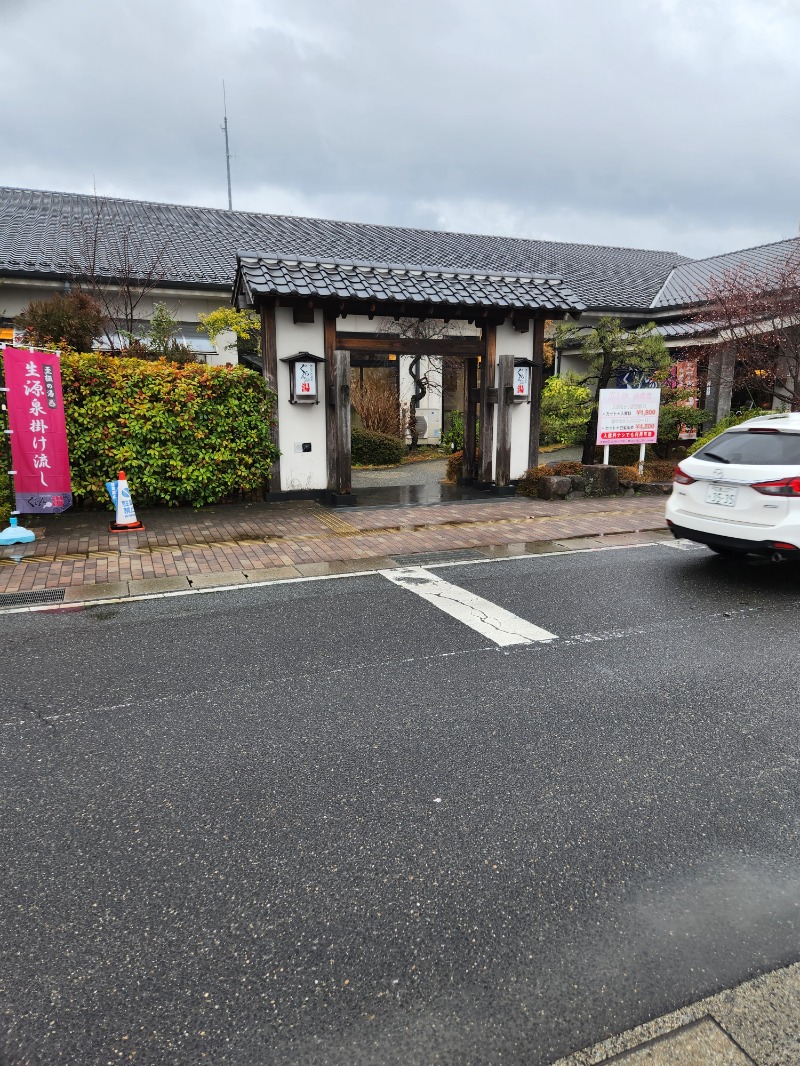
(682, 477)
(785, 486)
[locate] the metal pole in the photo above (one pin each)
(227, 149)
(606, 452)
(641, 457)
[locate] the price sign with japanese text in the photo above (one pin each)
(628, 416)
(38, 431)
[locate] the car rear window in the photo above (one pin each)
(753, 448)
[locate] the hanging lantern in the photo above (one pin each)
(303, 377)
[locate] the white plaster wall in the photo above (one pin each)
(300, 423)
(573, 364)
(185, 306)
(225, 349)
(431, 405)
(520, 345)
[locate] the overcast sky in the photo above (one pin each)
(652, 123)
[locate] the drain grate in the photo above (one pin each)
(22, 599)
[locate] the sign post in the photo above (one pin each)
(628, 416)
(38, 431)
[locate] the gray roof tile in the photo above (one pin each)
(689, 282)
(41, 233)
(266, 274)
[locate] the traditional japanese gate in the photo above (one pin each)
(328, 309)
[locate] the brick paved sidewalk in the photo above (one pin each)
(182, 548)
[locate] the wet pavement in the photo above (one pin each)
(325, 822)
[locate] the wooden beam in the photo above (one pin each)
(388, 342)
(488, 361)
(331, 437)
(469, 466)
(302, 314)
(505, 387)
(537, 375)
(341, 384)
(269, 362)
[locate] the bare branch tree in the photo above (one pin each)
(117, 266)
(425, 381)
(756, 312)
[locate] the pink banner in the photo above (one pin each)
(38, 431)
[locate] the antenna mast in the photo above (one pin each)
(224, 128)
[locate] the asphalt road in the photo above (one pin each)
(324, 822)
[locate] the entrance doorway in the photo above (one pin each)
(383, 386)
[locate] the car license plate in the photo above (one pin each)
(722, 495)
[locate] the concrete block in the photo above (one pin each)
(108, 590)
(150, 585)
(601, 480)
(210, 581)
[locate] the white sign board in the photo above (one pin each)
(305, 381)
(628, 416)
(522, 382)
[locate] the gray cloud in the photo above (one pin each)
(659, 123)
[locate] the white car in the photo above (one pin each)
(740, 493)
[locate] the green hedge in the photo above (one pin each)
(566, 407)
(183, 434)
(5, 481)
(376, 449)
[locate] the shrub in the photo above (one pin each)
(735, 418)
(566, 407)
(528, 484)
(453, 436)
(376, 449)
(5, 482)
(454, 466)
(184, 434)
(630, 473)
(71, 320)
(655, 470)
(659, 470)
(628, 454)
(377, 404)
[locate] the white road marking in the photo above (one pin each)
(683, 545)
(485, 617)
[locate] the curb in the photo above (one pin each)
(76, 596)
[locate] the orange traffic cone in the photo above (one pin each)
(127, 521)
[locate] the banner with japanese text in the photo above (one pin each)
(39, 453)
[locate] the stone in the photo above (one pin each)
(554, 488)
(601, 480)
(578, 482)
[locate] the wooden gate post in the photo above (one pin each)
(269, 363)
(469, 465)
(488, 400)
(341, 390)
(505, 387)
(537, 374)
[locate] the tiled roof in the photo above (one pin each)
(689, 282)
(41, 233)
(282, 276)
(673, 330)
